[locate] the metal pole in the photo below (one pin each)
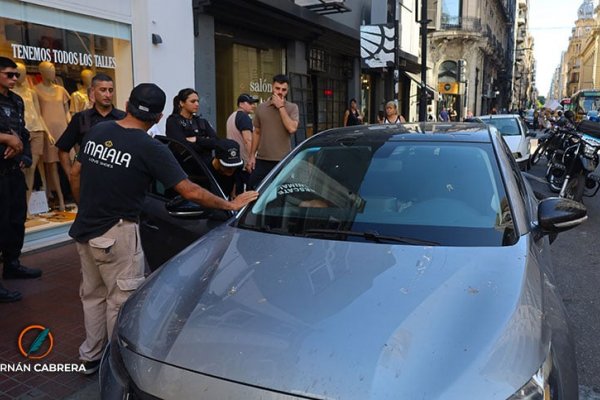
(423, 98)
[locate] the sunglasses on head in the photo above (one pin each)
(11, 75)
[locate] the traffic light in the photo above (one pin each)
(462, 70)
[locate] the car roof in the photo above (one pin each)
(422, 131)
(499, 116)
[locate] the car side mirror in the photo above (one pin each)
(556, 214)
(181, 208)
(530, 134)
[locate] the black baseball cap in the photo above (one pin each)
(246, 98)
(228, 153)
(148, 98)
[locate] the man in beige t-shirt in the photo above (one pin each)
(275, 121)
(239, 129)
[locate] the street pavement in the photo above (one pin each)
(576, 262)
(53, 302)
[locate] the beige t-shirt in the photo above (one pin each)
(275, 142)
(234, 133)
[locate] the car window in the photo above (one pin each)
(506, 126)
(449, 193)
(190, 164)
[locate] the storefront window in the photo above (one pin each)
(58, 53)
(244, 69)
(71, 52)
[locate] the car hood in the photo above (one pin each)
(351, 320)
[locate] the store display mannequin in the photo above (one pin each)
(36, 127)
(54, 105)
(79, 98)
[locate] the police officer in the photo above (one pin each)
(102, 91)
(15, 154)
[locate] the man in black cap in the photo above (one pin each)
(116, 163)
(15, 153)
(239, 128)
(226, 165)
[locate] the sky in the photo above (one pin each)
(550, 23)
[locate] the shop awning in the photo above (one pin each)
(417, 80)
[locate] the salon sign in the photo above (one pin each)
(32, 53)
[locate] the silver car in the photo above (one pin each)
(379, 262)
(515, 133)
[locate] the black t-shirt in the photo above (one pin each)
(117, 166)
(81, 123)
(243, 122)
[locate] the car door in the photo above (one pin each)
(163, 232)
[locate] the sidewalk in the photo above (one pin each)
(51, 301)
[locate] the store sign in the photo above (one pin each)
(32, 53)
(261, 85)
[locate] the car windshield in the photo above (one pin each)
(418, 192)
(506, 126)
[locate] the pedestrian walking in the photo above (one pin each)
(15, 154)
(352, 116)
(444, 116)
(274, 122)
(391, 114)
(116, 163)
(239, 128)
(185, 126)
(430, 115)
(102, 90)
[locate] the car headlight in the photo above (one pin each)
(538, 387)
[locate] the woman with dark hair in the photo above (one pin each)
(185, 126)
(352, 115)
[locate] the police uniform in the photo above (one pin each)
(13, 203)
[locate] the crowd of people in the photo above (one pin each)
(115, 161)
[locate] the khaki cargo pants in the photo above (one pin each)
(112, 267)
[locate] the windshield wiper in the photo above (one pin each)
(373, 236)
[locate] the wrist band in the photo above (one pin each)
(280, 107)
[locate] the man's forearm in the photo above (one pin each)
(74, 180)
(255, 142)
(290, 125)
(65, 161)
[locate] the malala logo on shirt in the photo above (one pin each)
(106, 155)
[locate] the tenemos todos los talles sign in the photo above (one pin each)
(33, 53)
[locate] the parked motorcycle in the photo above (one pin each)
(570, 169)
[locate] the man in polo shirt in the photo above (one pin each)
(239, 128)
(275, 121)
(102, 91)
(116, 163)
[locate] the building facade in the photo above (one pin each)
(472, 51)
(524, 88)
(580, 50)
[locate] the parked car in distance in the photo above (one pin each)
(379, 262)
(528, 118)
(515, 133)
